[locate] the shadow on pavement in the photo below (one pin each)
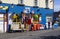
(50, 37)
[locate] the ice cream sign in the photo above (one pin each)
(27, 10)
(4, 7)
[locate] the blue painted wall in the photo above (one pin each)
(4, 4)
(16, 9)
(19, 9)
(3, 11)
(45, 12)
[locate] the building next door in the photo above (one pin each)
(3, 23)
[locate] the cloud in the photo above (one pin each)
(56, 7)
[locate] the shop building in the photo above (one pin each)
(42, 8)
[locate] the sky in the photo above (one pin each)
(56, 5)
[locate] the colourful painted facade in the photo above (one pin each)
(15, 9)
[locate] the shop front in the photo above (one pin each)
(15, 18)
(25, 18)
(19, 18)
(28, 18)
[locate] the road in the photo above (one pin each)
(41, 34)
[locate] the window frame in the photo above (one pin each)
(20, 1)
(46, 1)
(35, 2)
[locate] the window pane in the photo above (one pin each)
(20, 1)
(35, 2)
(46, 3)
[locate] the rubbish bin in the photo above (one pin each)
(55, 25)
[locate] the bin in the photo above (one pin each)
(55, 25)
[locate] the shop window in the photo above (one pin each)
(35, 2)
(24, 19)
(14, 20)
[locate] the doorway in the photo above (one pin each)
(48, 21)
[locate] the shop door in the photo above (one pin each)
(49, 21)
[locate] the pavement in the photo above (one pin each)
(40, 34)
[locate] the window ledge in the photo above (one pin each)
(20, 5)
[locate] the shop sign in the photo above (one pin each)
(32, 11)
(27, 10)
(48, 18)
(15, 26)
(1, 7)
(4, 7)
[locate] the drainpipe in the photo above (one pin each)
(46, 2)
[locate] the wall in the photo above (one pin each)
(29, 2)
(51, 4)
(10, 1)
(41, 3)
